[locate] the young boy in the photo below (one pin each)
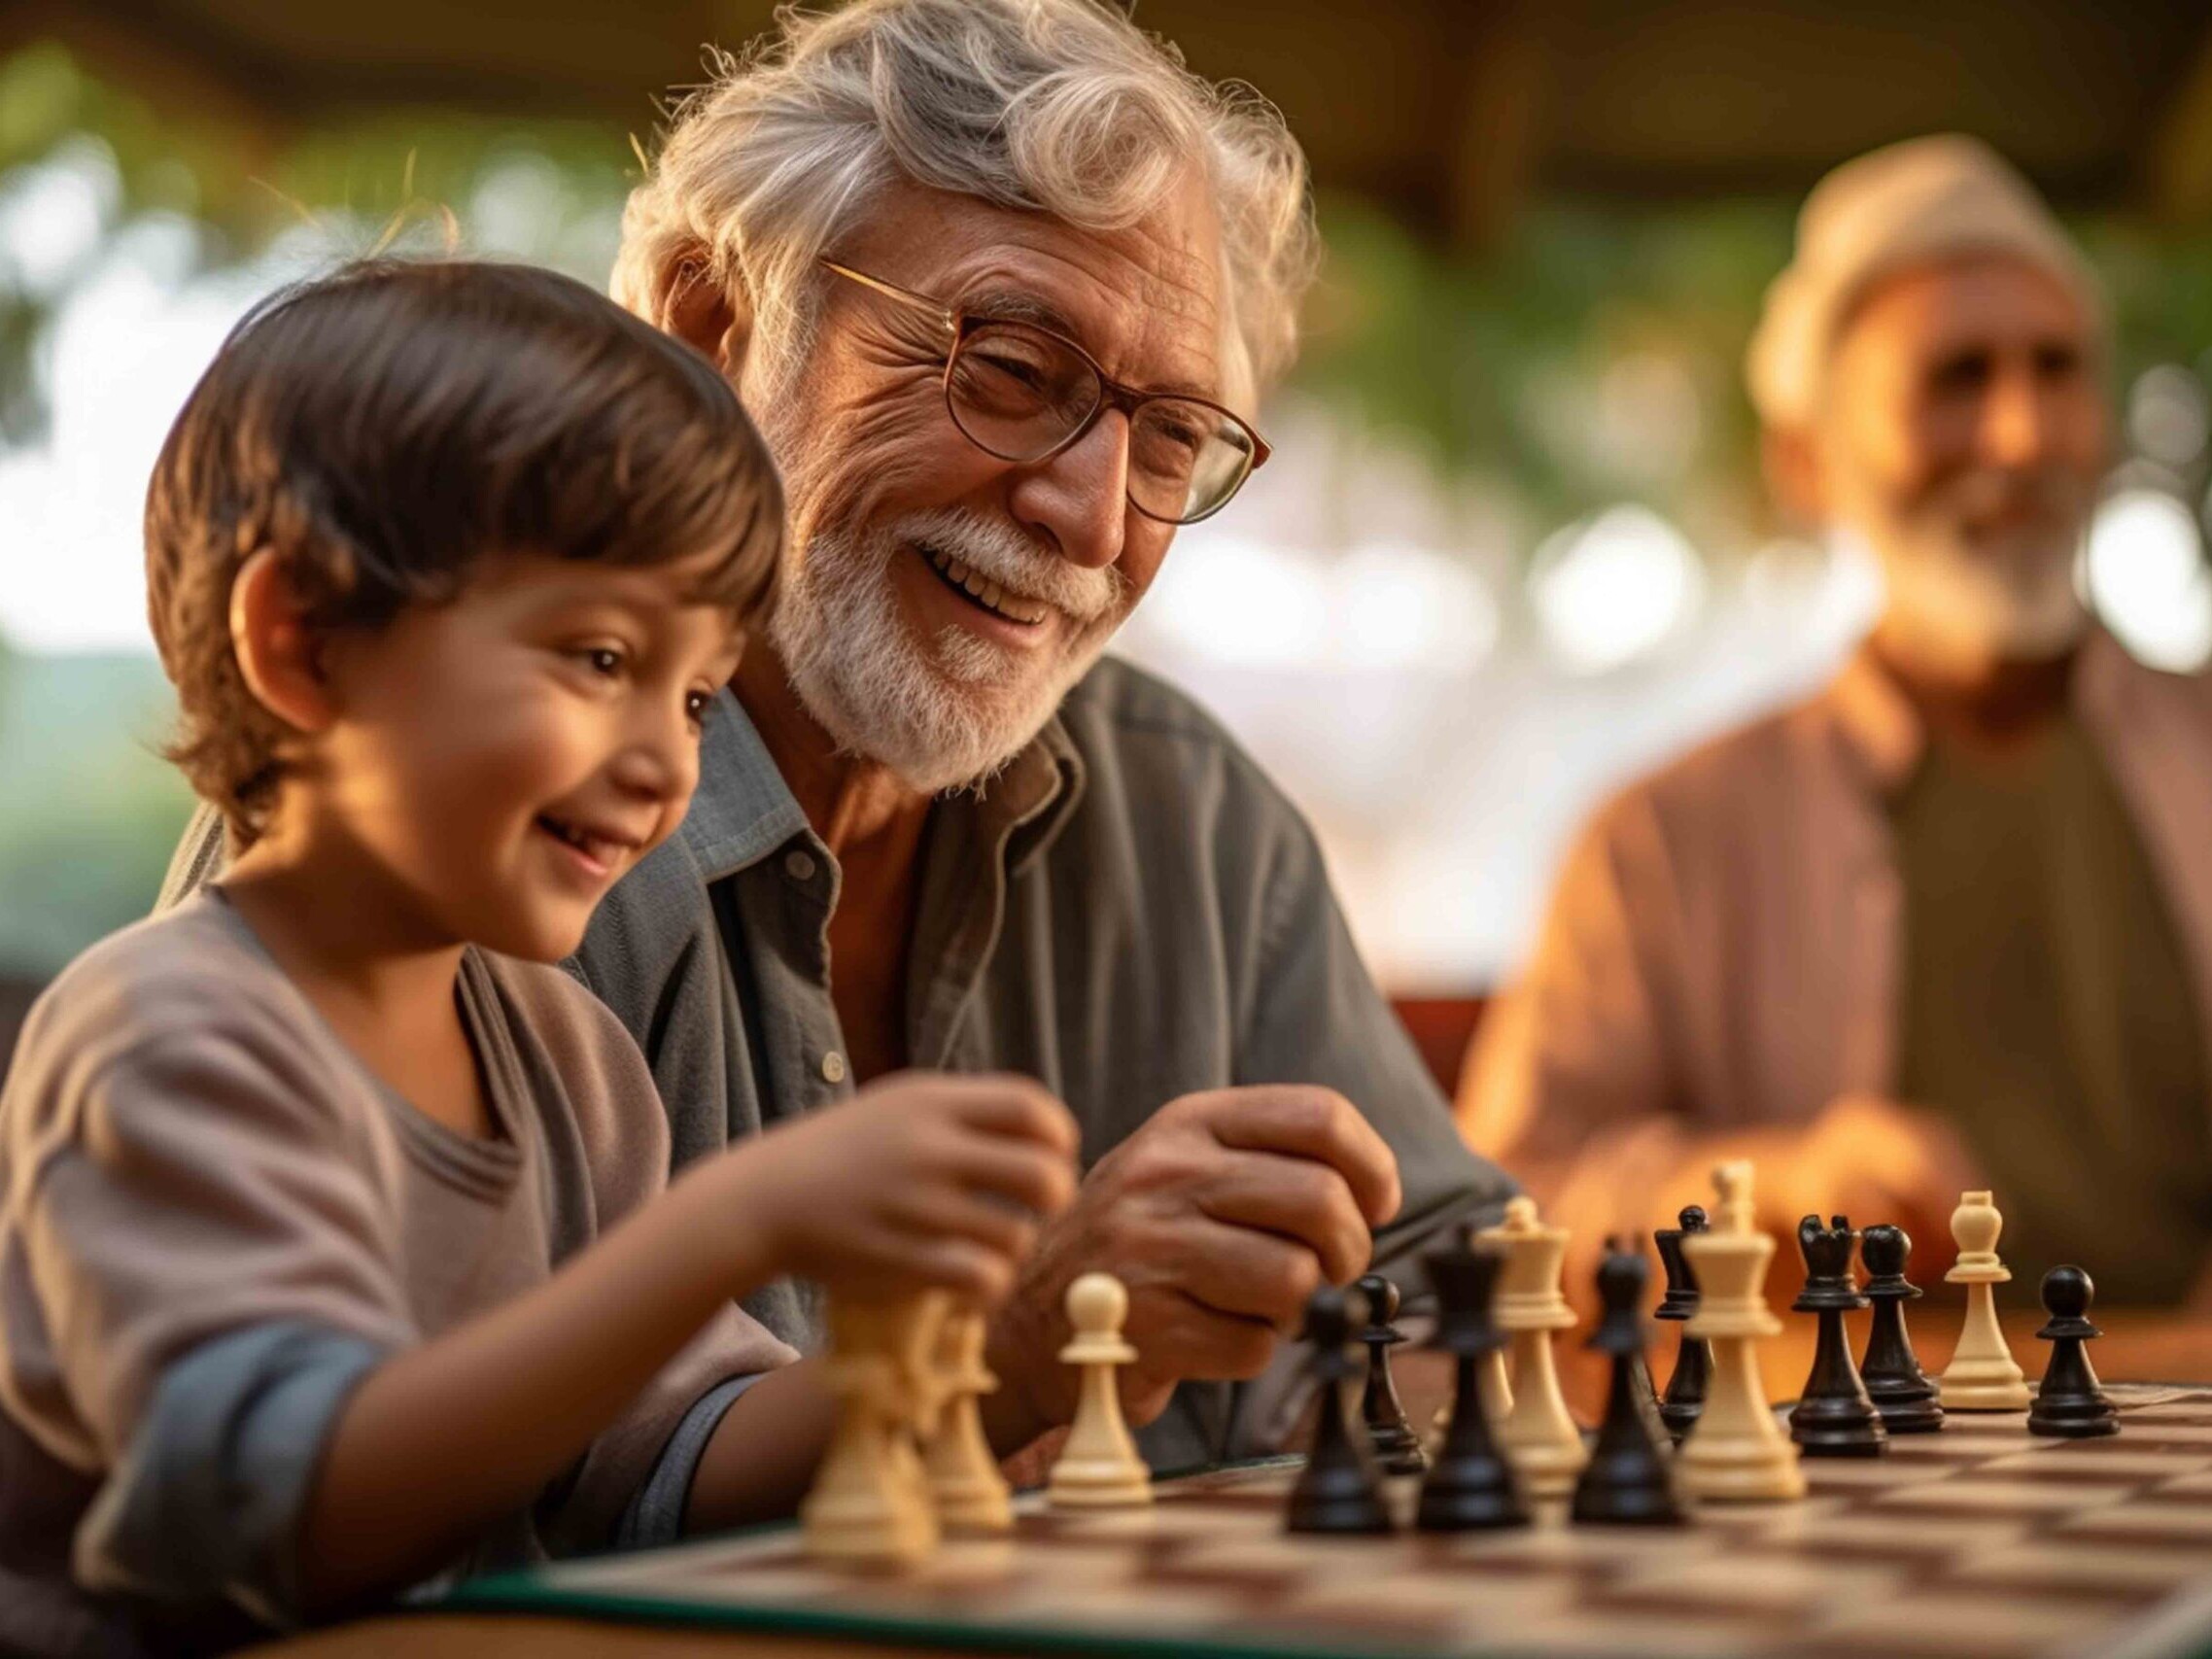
(334, 1249)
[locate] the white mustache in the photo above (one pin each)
(1986, 492)
(1085, 595)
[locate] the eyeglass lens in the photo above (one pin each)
(1019, 392)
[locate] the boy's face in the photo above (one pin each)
(507, 756)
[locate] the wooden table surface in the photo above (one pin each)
(2135, 1347)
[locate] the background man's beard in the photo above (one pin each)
(2014, 599)
(944, 715)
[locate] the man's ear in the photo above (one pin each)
(278, 652)
(705, 313)
(1796, 474)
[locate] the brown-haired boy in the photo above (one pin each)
(334, 1250)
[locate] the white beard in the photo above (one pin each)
(941, 714)
(1966, 606)
(2016, 599)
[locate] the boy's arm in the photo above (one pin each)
(764, 1452)
(442, 1438)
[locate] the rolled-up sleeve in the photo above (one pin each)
(212, 1273)
(212, 1488)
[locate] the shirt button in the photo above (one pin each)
(833, 1066)
(799, 866)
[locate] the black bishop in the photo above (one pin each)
(1625, 1481)
(1340, 1490)
(1470, 1485)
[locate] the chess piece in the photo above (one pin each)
(1470, 1484)
(1396, 1447)
(1834, 1418)
(1538, 1434)
(869, 1505)
(1098, 1469)
(1626, 1481)
(965, 1486)
(1736, 1450)
(1492, 1386)
(1340, 1490)
(1903, 1392)
(1982, 1375)
(1693, 1356)
(2069, 1403)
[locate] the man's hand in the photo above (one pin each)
(1221, 1215)
(1876, 1159)
(1865, 1156)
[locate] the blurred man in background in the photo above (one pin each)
(1950, 923)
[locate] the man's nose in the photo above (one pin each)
(2016, 427)
(1081, 497)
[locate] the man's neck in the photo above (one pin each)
(1986, 700)
(853, 802)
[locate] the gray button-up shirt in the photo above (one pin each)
(1132, 912)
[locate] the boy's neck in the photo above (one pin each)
(364, 956)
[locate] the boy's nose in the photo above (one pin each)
(661, 761)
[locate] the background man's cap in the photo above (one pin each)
(1924, 200)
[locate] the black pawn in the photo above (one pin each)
(2069, 1403)
(1903, 1392)
(1834, 1417)
(1693, 1358)
(1470, 1484)
(1625, 1481)
(1396, 1447)
(1340, 1490)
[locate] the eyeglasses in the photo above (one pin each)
(1022, 393)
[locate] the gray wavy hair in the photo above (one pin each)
(1057, 106)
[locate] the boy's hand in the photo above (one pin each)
(921, 1180)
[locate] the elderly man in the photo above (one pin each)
(1001, 282)
(1951, 922)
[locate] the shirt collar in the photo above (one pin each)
(1883, 733)
(743, 810)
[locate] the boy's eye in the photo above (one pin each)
(601, 660)
(695, 706)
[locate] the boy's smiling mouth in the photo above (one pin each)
(600, 848)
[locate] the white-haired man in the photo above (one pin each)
(1001, 281)
(1950, 923)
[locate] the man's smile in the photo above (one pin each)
(950, 591)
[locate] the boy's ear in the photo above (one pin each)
(278, 654)
(703, 313)
(1796, 476)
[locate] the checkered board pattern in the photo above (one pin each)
(1981, 1539)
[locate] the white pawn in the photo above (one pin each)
(1735, 1450)
(965, 1486)
(1099, 1467)
(1983, 1375)
(1537, 1435)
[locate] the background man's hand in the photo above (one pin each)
(1876, 1159)
(1866, 1157)
(1221, 1215)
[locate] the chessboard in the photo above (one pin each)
(1981, 1539)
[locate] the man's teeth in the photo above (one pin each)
(989, 594)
